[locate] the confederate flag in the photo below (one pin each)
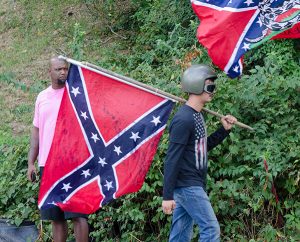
(106, 135)
(229, 28)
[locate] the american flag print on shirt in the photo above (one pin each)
(106, 136)
(200, 142)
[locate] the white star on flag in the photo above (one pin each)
(95, 137)
(66, 187)
(108, 185)
(135, 136)
(156, 120)
(246, 46)
(53, 203)
(83, 114)
(75, 91)
(86, 173)
(259, 22)
(236, 69)
(102, 161)
(248, 2)
(117, 149)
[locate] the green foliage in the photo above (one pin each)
(18, 198)
(114, 16)
(267, 99)
(9, 78)
(78, 42)
(152, 41)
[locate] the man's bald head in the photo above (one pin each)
(56, 59)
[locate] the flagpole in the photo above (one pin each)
(145, 87)
(124, 79)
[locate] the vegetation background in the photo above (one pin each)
(153, 41)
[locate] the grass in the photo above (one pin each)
(29, 38)
(16, 111)
(30, 35)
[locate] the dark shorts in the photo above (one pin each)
(56, 214)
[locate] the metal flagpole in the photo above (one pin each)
(143, 86)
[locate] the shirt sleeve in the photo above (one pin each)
(36, 113)
(179, 136)
(217, 137)
(171, 169)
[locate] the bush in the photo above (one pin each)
(160, 42)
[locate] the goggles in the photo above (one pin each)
(210, 88)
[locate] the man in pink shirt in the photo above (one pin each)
(45, 115)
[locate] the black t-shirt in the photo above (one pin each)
(186, 160)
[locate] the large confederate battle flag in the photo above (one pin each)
(106, 135)
(229, 28)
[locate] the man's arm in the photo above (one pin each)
(217, 137)
(171, 169)
(33, 152)
(179, 136)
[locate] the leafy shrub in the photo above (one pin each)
(160, 45)
(17, 196)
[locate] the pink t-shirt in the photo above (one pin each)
(45, 114)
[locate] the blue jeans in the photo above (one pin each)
(193, 205)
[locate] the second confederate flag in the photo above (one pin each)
(229, 28)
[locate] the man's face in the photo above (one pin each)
(58, 72)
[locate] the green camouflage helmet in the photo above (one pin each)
(194, 77)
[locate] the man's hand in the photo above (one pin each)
(31, 169)
(168, 206)
(228, 121)
(33, 153)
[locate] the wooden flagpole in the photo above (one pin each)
(145, 87)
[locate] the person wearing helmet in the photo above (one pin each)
(185, 167)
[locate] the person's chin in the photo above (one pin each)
(210, 98)
(61, 82)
